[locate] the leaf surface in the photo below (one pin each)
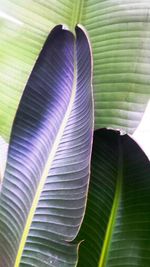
(119, 33)
(115, 230)
(44, 189)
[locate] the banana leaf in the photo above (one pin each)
(44, 190)
(119, 32)
(116, 227)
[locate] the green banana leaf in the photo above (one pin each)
(119, 32)
(116, 226)
(44, 190)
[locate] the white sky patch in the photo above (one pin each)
(10, 18)
(142, 133)
(3, 156)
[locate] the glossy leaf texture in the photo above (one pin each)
(44, 190)
(119, 31)
(116, 226)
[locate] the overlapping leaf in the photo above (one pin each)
(44, 188)
(119, 32)
(24, 26)
(120, 35)
(116, 227)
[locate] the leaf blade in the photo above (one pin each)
(128, 240)
(120, 47)
(119, 42)
(82, 87)
(17, 52)
(114, 209)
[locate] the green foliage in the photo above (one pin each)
(116, 225)
(119, 35)
(43, 194)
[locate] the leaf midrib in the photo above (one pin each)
(114, 210)
(47, 167)
(77, 13)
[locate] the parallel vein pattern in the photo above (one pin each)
(100, 199)
(120, 37)
(129, 240)
(120, 34)
(40, 115)
(62, 203)
(24, 27)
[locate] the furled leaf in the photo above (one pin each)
(44, 189)
(120, 34)
(116, 227)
